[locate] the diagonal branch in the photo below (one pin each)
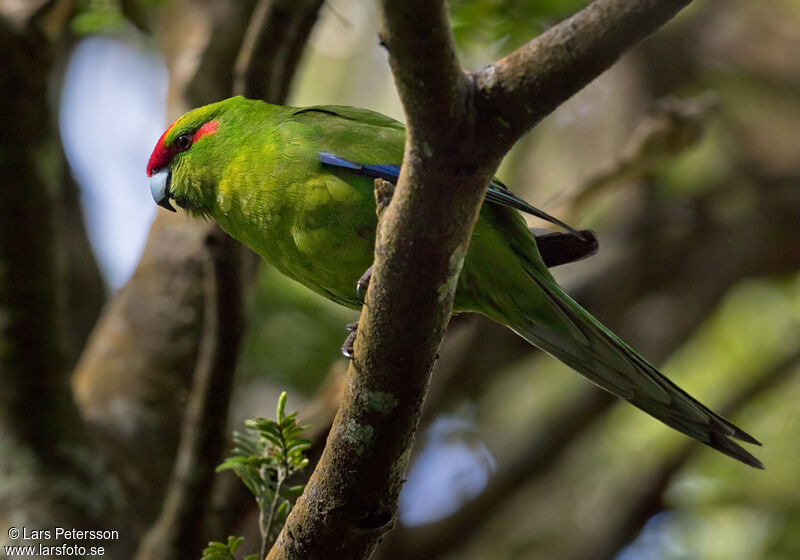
(516, 92)
(347, 507)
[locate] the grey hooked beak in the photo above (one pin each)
(159, 188)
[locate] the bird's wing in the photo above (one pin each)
(356, 114)
(497, 193)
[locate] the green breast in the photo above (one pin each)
(314, 223)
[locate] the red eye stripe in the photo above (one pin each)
(209, 128)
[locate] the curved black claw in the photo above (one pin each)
(347, 347)
(363, 284)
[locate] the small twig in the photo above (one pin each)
(281, 472)
(265, 525)
(675, 126)
(265, 529)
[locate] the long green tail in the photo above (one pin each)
(583, 343)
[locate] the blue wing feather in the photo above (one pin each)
(497, 193)
(330, 159)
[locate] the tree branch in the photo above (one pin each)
(272, 46)
(516, 92)
(450, 156)
(175, 534)
(32, 366)
(136, 371)
(431, 84)
(674, 126)
(52, 474)
(346, 507)
(214, 79)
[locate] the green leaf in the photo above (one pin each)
(219, 551)
(234, 543)
(281, 406)
(263, 456)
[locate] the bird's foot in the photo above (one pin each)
(361, 292)
(348, 350)
(363, 284)
(384, 190)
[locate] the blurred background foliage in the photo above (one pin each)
(503, 25)
(684, 157)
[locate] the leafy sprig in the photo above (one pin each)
(265, 455)
(225, 551)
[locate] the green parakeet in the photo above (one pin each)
(296, 186)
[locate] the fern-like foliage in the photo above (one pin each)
(265, 455)
(225, 551)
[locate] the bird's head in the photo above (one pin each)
(185, 162)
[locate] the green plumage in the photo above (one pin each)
(259, 175)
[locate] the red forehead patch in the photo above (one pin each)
(163, 154)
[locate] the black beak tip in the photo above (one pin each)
(164, 203)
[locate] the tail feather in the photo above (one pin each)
(587, 346)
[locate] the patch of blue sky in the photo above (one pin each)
(112, 111)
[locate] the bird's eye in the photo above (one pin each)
(183, 142)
